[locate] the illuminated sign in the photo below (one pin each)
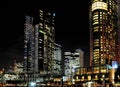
(99, 5)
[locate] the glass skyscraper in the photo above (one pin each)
(103, 31)
(46, 41)
(28, 44)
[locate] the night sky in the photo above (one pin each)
(71, 30)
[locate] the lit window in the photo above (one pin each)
(95, 16)
(96, 42)
(103, 69)
(77, 78)
(89, 77)
(95, 22)
(101, 29)
(96, 0)
(99, 5)
(83, 77)
(96, 54)
(96, 70)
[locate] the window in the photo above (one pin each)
(96, 29)
(96, 0)
(89, 77)
(96, 54)
(95, 18)
(101, 28)
(103, 69)
(99, 5)
(96, 69)
(96, 42)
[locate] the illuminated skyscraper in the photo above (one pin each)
(118, 2)
(28, 45)
(36, 47)
(57, 60)
(73, 60)
(46, 41)
(103, 31)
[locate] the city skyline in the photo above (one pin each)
(59, 43)
(71, 32)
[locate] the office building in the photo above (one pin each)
(36, 33)
(103, 32)
(103, 46)
(28, 45)
(73, 60)
(118, 47)
(46, 40)
(80, 54)
(57, 60)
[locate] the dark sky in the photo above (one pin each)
(71, 31)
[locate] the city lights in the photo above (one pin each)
(32, 84)
(48, 63)
(99, 5)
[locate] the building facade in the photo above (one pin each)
(28, 45)
(57, 60)
(118, 2)
(103, 46)
(46, 40)
(73, 60)
(103, 31)
(81, 56)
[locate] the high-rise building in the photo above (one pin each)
(46, 40)
(29, 50)
(39, 43)
(118, 2)
(80, 54)
(73, 60)
(103, 31)
(67, 65)
(36, 47)
(28, 44)
(57, 60)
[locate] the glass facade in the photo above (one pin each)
(28, 44)
(103, 31)
(46, 41)
(73, 60)
(57, 61)
(96, 73)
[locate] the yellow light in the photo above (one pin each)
(89, 77)
(103, 76)
(99, 5)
